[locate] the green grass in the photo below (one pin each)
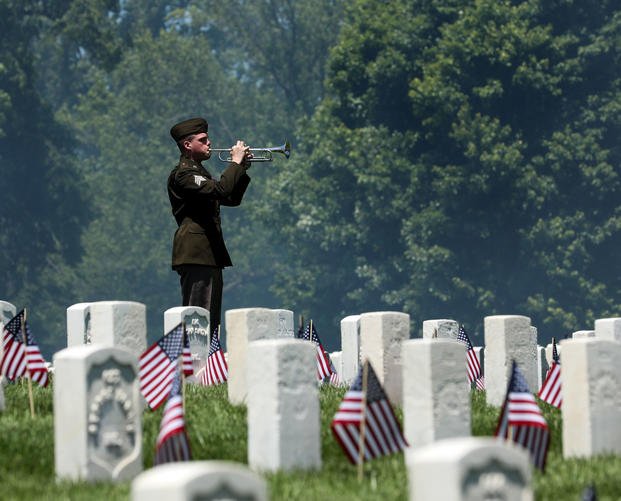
(218, 431)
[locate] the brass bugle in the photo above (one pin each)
(258, 154)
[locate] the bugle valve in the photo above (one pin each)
(258, 154)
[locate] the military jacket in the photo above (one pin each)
(195, 198)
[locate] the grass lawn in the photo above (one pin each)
(218, 431)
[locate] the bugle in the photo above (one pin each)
(258, 154)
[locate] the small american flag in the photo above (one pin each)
(172, 442)
(382, 432)
(550, 391)
(324, 366)
(216, 369)
(186, 357)
(521, 420)
(472, 362)
(17, 359)
(158, 364)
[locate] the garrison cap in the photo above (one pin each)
(187, 127)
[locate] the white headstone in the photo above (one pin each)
(582, 334)
(199, 480)
(440, 328)
(243, 326)
(381, 335)
(608, 328)
(197, 328)
(436, 400)
(507, 338)
(469, 469)
(350, 347)
(591, 375)
(542, 367)
(337, 360)
(97, 414)
(79, 324)
(7, 312)
(119, 323)
(283, 406)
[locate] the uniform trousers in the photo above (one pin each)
(201, 285)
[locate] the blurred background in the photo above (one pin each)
(450, 159)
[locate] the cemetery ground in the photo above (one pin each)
(217, 430)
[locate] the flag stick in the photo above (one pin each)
(363, 419)
(30, 397)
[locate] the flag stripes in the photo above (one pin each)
(473, 365)
(521, 420)
(216, 369)
(172, 441)
(382, 433)
(550, 391)
(157, 366)
(21, 357)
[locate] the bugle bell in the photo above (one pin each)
(258, 154)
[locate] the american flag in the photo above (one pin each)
(382, 432)
(172, 441)
(324, 366)
(521, 420)
(334, 380)
(216, 369)
(158, 364)
(472, 362)
(551, 389)
(186, 357)
(17, 359)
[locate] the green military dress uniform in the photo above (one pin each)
(199, 252)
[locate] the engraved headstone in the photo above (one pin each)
(469, 469)
(97, 414)
(199, 481)
(381, 335)
(197, 329)
(283, 406)
(243, 326)
(591, 409)
(79, 324)
(608, 328)
(440, 328)
(119, 323)
(436, 400)
(507, 338)
(350, 347)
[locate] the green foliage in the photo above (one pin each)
(465, 164)
(217, 431)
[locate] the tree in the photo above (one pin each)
(41, 203)
(463, 164)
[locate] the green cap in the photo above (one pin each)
(187, 127)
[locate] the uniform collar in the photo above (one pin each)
(188, 163)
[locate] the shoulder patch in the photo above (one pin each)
(199, 179)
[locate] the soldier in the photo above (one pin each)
(199, 253)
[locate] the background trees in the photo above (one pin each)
(451, 159)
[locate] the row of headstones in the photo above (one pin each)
(98, 435)
(430, 362)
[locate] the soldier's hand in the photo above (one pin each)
(240, 152)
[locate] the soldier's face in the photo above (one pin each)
(199, 147)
